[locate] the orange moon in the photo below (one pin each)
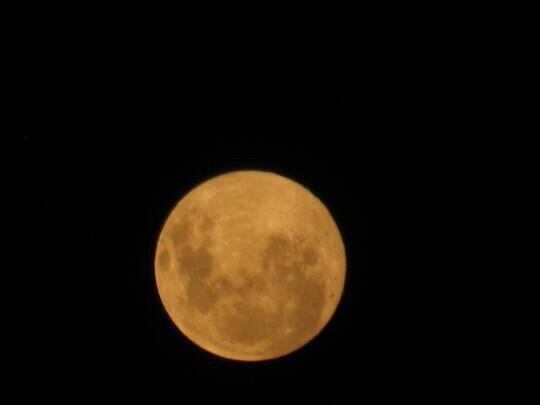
(250, 266)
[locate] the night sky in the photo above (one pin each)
(365, 122)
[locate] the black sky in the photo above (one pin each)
(365, 121)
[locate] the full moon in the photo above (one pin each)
(250, 266)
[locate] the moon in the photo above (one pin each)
(250, 266)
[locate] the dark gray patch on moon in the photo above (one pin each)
(304, 319)
(207, 225)
(195, 263)
(224, 286)
(310, 256)
(250, 282)
(180, 233)
(164, 260)
(248, 324)
(277, 255)
(285, 272)
(200, 295)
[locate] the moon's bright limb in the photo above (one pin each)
(250, 265)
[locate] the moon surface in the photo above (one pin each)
(250, 266)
